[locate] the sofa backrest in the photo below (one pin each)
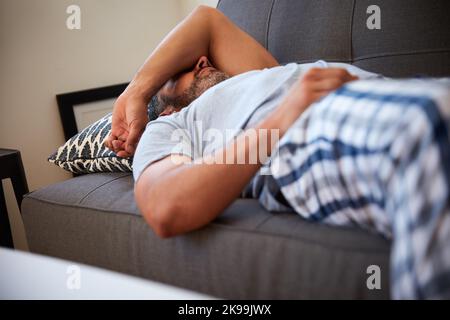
(414, 38)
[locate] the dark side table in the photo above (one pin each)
(10, 167)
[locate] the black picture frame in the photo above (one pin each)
(68, 101)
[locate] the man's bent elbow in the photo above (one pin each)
(161, 219)
(158, 214)
(206, 11)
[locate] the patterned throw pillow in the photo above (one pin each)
(85, 152)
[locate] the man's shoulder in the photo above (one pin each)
(260, 77)
(259, 73)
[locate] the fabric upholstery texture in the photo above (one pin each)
(245, 253)
(414, 38)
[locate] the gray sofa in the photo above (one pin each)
(248, 252)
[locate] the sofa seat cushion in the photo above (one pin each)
(246, 253)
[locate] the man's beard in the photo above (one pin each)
(198, 86)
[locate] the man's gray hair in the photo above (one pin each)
(154, 108)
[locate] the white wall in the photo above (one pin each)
(40, 57)
(188, 5)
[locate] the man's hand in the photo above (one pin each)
(314, 84)
(128, 123)
(317, 83)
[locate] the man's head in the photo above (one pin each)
(184, 88)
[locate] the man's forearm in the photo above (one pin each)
(211, 184)
(179, 50)
(205, 32)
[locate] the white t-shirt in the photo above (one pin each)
(221, 113)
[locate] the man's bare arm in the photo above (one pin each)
(205, 32)
(171, 207)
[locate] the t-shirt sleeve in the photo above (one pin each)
(161, 138)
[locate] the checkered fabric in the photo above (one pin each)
(376, 154)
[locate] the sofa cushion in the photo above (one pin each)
(246, 253)
(414, 37)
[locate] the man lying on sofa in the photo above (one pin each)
(373, 153)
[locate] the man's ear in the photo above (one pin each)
(168, 111)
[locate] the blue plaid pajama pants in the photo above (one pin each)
(376, 154)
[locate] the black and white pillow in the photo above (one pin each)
(86, 153)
